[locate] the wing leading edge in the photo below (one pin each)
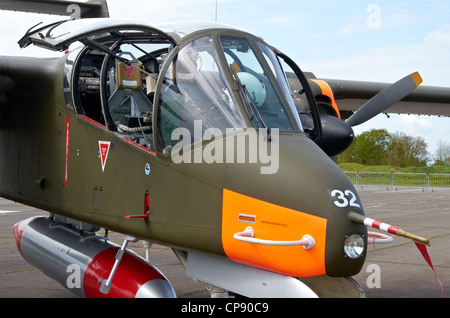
(424, 100)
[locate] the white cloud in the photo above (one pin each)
(413, 125)
(345, 31)
(387, 64)
(440, 37)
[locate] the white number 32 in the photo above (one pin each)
(343, 199)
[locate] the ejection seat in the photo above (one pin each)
(128, 103)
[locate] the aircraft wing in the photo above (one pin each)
(424, 100)
(73, 8)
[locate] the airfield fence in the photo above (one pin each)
(421, 180)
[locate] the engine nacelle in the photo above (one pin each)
(79, 264)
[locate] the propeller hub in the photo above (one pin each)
(337, 135)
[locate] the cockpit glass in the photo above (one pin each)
(195, 95)
(279, 70)
(257, 83)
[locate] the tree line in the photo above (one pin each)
(378, 147)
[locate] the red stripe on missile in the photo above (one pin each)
(132, 273)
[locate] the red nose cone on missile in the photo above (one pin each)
(18, 229)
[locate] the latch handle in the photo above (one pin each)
(307, 241)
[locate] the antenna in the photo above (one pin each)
(216, 13)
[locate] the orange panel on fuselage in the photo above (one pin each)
(272, 222)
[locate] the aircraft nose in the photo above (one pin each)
(307, 195)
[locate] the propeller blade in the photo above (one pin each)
(385, 99)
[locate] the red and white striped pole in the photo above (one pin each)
(361, 219)
(419, 241)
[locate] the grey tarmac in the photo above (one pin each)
(393, 270)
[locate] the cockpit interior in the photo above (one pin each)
(114, 85)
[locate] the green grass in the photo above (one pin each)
(432, 176)
(362, 168)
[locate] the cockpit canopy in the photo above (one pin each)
(143, 82)
(205, 80)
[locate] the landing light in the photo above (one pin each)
(354, 246)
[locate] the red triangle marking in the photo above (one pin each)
(128, 70)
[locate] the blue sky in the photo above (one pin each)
(362, 40)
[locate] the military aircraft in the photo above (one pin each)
(189, 136)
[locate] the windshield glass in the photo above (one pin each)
(195, 93)
(279, 68)
(256, 82)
